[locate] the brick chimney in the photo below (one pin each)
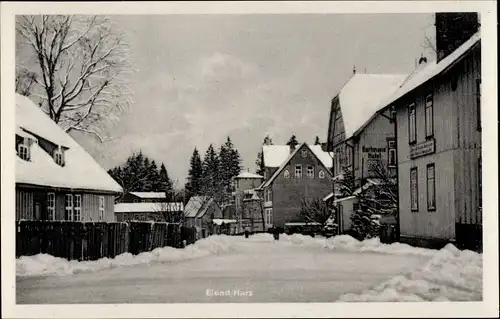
(453, 29)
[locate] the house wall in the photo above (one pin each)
(31, 203)
(372, 145)
(241, 185)
(347, 209)
(336, 131)
(457, 150)
(287, 193)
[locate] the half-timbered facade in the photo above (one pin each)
(56, 179)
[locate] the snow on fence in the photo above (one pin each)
(95, 240)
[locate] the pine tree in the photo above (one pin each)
(154, 177)
(165, 184)
(292, 142)
(211, 179)
(229, 166)
(259, 162)
(195, 174)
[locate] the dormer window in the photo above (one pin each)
(23, 151)
(58, 157)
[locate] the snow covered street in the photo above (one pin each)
(259, 269)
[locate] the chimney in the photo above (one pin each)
(354, 69)
(422, 60)
(453, 29)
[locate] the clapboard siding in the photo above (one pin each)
(458, 149)
(90, 203)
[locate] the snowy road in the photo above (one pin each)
(260, 271)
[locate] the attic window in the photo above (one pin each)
(286, 174)
(23, 152)
(58, 157)
(304, 153)
(321, 174)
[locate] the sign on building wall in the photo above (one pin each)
(374, 156)
(422, 149)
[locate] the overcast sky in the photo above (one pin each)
(200, 78)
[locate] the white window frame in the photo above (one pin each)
(310, 171)
(269, 216)
(429, 116)
(392, 162)
(23, 151)
(303, 153)
(412, 123)
(101, 207)
(286, 174)
(51, 206)
(68, 207)
(431, 187)
(298, 171)
(321, 174)
(58, 157)
(77, 207)
(414, 189)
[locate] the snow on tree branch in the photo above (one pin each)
(81, 70)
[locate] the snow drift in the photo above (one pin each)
(47, 265)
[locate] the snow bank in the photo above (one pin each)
(47, 265)
(451, 275)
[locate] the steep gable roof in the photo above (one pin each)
(294, 153)
(80, 171)
(197, 206)
(360, 98)
(148, 207)
(275, 155)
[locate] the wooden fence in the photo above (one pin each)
(94, 240)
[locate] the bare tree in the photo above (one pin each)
(316, 211)
(25, 81)
(172, 208)
(81, 63)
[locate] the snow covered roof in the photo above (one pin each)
(369, 183)
(148, 207)
(80, 171)
(340, 200)
(249, 175)
(361, 96)
(218, 221)
(327, 197)
(427, 73)
(149, 194)
(197, 205)
(314, 150)
(275, 155)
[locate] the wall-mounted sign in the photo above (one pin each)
(370, 149)
(422, 149)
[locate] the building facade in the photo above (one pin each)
(246, 201)
(303, 174)
(56, 179)
(199, 212)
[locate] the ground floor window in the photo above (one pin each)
(51, 206)
(269, 216)
(431, 188)
(101, 207)
(68, 207)
(414, 189)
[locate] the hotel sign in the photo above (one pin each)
(422, 149)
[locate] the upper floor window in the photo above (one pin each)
(412, 123)
(391, 149)
(310, 171)
(478, 103)
(23, 152)
(413, 189)
(58, 157)
(298, 171)
(429, 116)
(304, 153)
(321, 174)
(286, 174)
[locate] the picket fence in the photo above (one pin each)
(95, 240)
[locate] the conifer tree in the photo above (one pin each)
(195, 174)
(292, 142)
(211, 178)
(164, 182)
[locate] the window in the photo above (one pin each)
(321, 174)
(101, 207)
(431, 188)
(391, 149)
(68, 207)
(237, 202)
(77, 210)
(51, 206)
(429, 116)
(23, 152)
(304, 153)
(355, 207)
(356, 156)
(58, 157)
(478, 103)
(269, 216)
(480, 182)
(286, 174)
(268, 195)
(298, 171)
(412, 124)
(310, 171)
(413, 189)
(348, 157)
